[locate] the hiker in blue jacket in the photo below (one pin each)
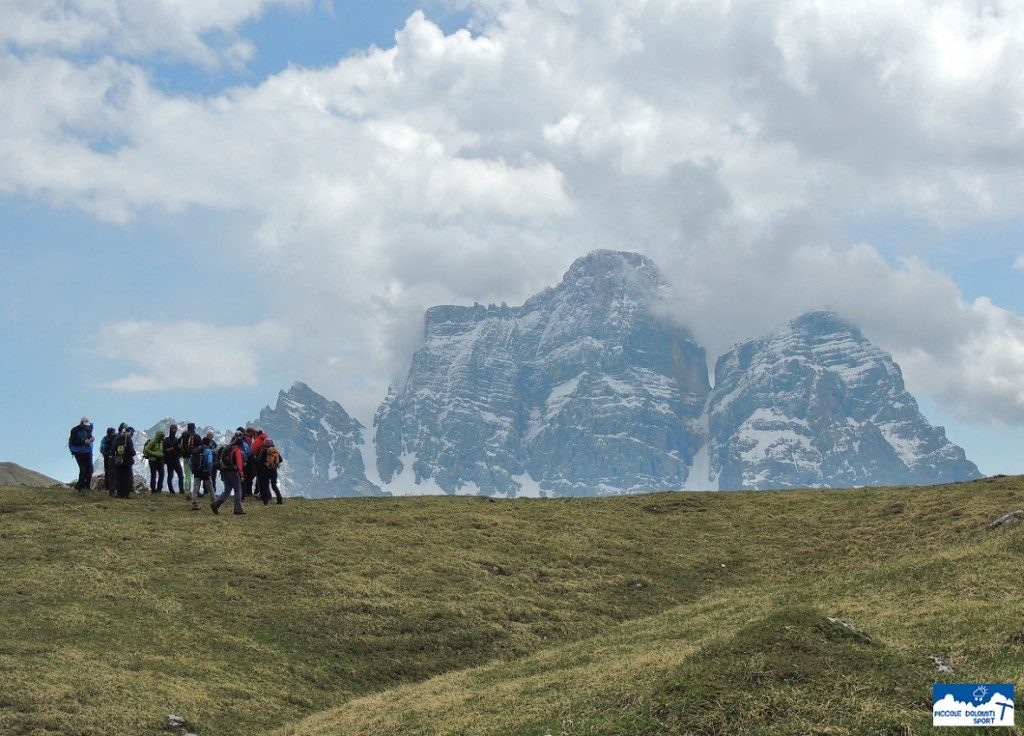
(202, 464)
(80, 443)
(212, 444)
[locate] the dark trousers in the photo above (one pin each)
(250, 476)
(213, 479)
(232, 484)
(84, 460)
(109, 471)
(125, 480)
(265, 480)
(174, 466)
(156, 476)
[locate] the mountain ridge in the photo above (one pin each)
(587, 388)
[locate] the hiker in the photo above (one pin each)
(189, 442)
(172, 459)
(80, 443)
(256, 439)
(212, 443)
(124, 459)
(115, 443)
(246, 435)
(267, 463)
(231, 465)
(107, 452)
(201, 462)
(153, 451)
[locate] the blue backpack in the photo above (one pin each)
(198, 462)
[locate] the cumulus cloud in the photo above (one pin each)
(730, 141)
(188, 355)
(196, 30)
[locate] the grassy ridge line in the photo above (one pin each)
(121, 612)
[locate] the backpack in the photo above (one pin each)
(273, 458)
(224, 460)
(196, 461)
(188, 442)
(121, 450)
(77, 436)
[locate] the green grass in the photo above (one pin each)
(667, 614)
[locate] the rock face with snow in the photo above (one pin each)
(581, 390)
(816, 404)
(321, 445)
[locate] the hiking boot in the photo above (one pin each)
(195, 505)
(239, 513)
(280, 501)
(214, 509)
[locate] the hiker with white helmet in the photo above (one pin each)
(80, 444)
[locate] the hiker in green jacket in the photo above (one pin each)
(154, 452)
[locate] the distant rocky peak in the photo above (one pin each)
(321, 444)
(302, 402)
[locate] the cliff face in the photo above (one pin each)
(816, 404)
(321, 445)
(580, 390)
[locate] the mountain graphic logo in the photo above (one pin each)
(976, 704)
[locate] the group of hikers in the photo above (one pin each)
(249, 457)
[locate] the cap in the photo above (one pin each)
(85, 420)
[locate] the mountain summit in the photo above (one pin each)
(580, 390)
(814, 403)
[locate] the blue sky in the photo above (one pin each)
(194, 218)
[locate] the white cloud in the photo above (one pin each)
(197, 30)
(188, 355)
(731, 141)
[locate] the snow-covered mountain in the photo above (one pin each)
(321, 444)
(816, 404)
(585, 390)
(580, 390)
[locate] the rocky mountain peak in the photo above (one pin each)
(321, 444)
(815, 403)
(612, 267)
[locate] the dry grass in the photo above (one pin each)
(462, 616)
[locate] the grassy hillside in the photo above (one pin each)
(12, 474)
(667, 614)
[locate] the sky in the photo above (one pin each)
(201, 203)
